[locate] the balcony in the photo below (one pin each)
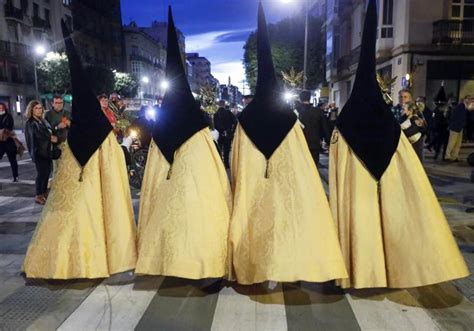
(12, 49)
(345, 62)
(13, 12)
(41, 23)
(453, 32)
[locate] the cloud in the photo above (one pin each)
(224, 49)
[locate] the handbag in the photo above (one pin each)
(55, 152)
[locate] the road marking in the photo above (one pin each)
(114, 307)
(249, 308)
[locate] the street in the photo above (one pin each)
(165, 303)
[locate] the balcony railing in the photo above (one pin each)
(13, 12)
(453, 32)
(8, 48)
(345, 62)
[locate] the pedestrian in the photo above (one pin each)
(457, 122)
(440, 131)
(404, 96)
(39, 137)
(281, 227)
(391, 227)
(224, 122)
(87, 227)
(108, 112)
(428, 117)
(315, 125)
(247, 99)
(414, 127)
(59, 119)
(7, 143)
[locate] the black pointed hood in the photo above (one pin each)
(180, 116)
(267, 119)
(89, 126)
(366, 121)
(441, 97)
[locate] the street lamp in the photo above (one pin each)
(38, 51)
(305, 52)
(164, 85)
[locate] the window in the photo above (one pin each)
(387, 19)
(35, 10)
(46, 15)
(3, 70)
(67, 2)
(136, 67)
(462, 9)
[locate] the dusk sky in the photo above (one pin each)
(217, 29)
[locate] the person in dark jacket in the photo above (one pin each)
(7, 144)
(428, 117)
(440, 132)
(38, 139)
(315, 125)
(59, 119)
(224, 122)
(457, 122)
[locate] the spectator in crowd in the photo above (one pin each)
(104, 105)
(404, 97)
(59, 119)
(440, 133)
(7, 144)
(247, 99)
(427, 116)
(224, 123)
(457, 122)
(39, 138)
(315, 126)
(414, 127)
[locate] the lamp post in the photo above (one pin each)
(306, 28)
(38, 51)
(145, 81)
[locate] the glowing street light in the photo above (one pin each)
(40, 50)
(165, 85)
(145, 80)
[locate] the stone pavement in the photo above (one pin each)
(123, 302)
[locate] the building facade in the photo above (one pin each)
(230, 93)
(422, 43)
(201, 69)
(145, 59)
(25, 24)
(98, 32)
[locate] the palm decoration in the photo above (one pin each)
(293, 79)
(386, 84)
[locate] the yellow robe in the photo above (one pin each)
(281, 227)
(183, 221)
(87, 228)
(401, 241)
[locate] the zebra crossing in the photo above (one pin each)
(126, 302)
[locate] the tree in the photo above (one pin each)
(287, 41)
(53, 74)
(125, 84)
(102, 79)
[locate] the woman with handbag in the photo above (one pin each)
(7, 144)
(39, 138)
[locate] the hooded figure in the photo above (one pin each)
(87, 227)
(281, 226)
(391, 227)
(185, 199)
